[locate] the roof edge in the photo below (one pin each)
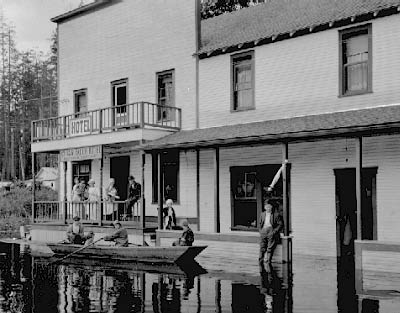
(351, 20)
(83, 9)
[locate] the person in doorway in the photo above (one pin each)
(134, 194)
(169, 215)
(75, 232)
(93, 200)
(271, 224)
(76, 198)
(111, 195)
(120, 236)
(187, 237)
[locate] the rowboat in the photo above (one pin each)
(149, 254)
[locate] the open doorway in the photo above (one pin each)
(119, 170)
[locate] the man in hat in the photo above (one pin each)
(134, 194)
(120, 236)
(187, 237)
(75, 232)
(271, 224)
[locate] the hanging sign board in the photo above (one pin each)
(80, 154)
(80, 126)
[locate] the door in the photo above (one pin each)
(119, 102)
(119, 170)
(346, 208)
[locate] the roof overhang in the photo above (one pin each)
(81, 10)
(311, 128)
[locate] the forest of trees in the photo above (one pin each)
(27, 92)
(211, 8)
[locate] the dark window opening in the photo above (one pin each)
(80, 101)
(243, 82)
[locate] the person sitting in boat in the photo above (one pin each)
(169, 215)
(120, 236)
(187, 237)
(75, 232)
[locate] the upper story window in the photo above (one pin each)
(243, 81)
(80, 101)
(356, 60)
(165, 94)
(119, 95)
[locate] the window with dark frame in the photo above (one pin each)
(165, 94)
(81, 170)
(80, 101)
(356, 61)
(119, 95)
(170, 168)
(242, 82)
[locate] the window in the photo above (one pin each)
(170, 168)
(355, 61)
(80, 101)
(165, 94)
(119, 95)
(81, 170)
(242, 82)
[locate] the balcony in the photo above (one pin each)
(112, 119)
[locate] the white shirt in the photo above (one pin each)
(267, 221)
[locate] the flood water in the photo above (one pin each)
(32, 284)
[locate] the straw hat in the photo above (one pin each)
(91, 181)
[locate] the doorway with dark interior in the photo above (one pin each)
(119, 170)
(346, 228)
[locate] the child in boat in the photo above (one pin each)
(120, 236)
(75, 232)
(187, 237)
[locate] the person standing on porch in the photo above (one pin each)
(76, 197)
(271, 224)
(169, 215)
(134, 194)
(93, 200)
(111, 195)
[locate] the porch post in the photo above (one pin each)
(286, 239)
(33, 187)
(160, 191)
(198, 187)
(142, 200)
(64, 200)
(217, 226)
(100, 217)
(359, 166)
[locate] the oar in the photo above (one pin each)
(76, 251)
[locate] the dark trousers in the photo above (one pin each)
(268, 244)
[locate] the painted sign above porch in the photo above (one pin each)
(79, 154)
(80, 126)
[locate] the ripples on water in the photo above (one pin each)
(29, 284)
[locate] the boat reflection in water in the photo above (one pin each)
(30, 284)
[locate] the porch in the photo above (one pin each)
(107, 120)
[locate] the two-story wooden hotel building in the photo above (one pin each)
(206, 112)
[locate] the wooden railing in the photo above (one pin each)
(89, 212)
(134, 115)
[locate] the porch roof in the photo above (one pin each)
(370, 121)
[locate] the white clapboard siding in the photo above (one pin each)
(126, 40)
(299, 77)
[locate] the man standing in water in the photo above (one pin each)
(271, 224)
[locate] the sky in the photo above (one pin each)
(31, 20)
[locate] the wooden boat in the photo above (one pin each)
(149, 254)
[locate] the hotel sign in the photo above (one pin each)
(80, 154)
(80, 126)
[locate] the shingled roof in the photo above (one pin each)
(368, 121)
(286, 17)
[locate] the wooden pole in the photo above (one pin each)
(198, 187)
(65, 203)
(285, 180)
(216, 192)
(33, 187)
(160, 191)
(142, 201)
(359, 166)
(101, 207)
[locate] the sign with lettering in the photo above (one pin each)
(80, 126)
(80, 154)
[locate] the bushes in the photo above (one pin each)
(16, 207)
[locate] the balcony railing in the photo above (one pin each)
(134, 115)
(89, 212)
